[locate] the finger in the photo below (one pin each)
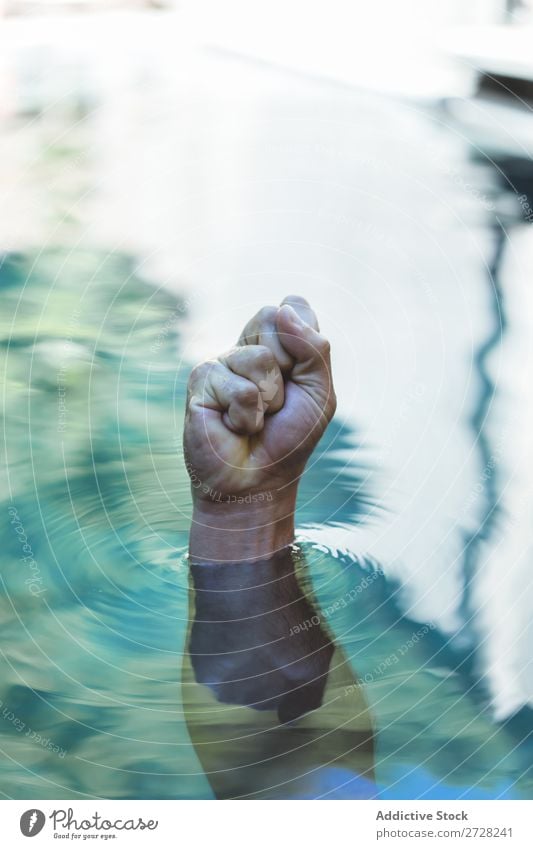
(258, 364)
(302, 308)
(311, 353)
(212, 386)
(262, 330)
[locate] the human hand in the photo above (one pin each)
(254, 416)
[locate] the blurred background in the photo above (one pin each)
(166, 169)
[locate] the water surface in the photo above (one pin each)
(242, 184)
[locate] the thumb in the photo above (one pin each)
(311, 352)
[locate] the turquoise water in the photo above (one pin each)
(97, 693)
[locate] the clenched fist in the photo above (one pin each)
(253, 417)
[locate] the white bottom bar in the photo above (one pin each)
(256, 824)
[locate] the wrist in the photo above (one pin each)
(242, 528)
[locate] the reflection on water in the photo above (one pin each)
(279, 712)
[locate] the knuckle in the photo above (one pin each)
(263, 357)
(296, 299)
(198, 373)
(247, 396)
(232, 353)
(323, 346)
(267, 314)
(195, 373)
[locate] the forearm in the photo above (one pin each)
(234, 531)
